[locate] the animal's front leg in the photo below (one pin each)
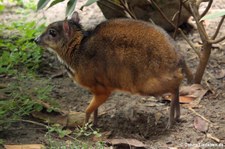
(96, 101)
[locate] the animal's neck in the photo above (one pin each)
(70, 51)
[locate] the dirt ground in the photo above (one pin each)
(134, 116)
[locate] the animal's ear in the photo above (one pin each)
(75, 17)
(66, 27)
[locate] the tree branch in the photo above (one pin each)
(189, 42)
(207, 8)
(126, 8)
(218, 28)
(216, 41)
(196, 16)
(178, 19)
(163, 15)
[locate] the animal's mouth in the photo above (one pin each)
(44, 46)
(41, 44)
(51, 50)
(37, 40)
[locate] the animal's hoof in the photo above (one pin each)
(177, 119)
(95, 124)
(168, 126)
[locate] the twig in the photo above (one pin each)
(163, 15)
(192, 110)
(174, 16)
(124, 4)
(216, 41)
(189, 42)
(195, 14)
(218, 28)
(207, 9)
(208, 135)
(33, 122)
(178, 19)
(59, 74)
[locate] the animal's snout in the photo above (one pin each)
(37, 40)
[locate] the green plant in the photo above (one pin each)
(71, 4)
(31, 4)
(59, 144)
(59, 130)
(22, 99)
(2, 7)
(1, 142)
(86, 131)
(74, 142)
(18, 51)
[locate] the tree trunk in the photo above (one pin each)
(204, 58)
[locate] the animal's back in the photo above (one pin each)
(127, 54)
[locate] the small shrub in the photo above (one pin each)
(18, 51)
(21, 99)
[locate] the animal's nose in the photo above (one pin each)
(37, 40)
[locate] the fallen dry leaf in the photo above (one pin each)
(194, 90)
(71, 119)
(201, 124)
(59, 116)
(158, 115)
(220, 74)
(25, 146)
(104, 135)
(185, 99)
(125, 143)
(182, 99)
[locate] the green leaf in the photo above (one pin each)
(37, 107)
(2, 7)
(213, 15)
(70, 7)
(42, 3)
(55, 2)
(88, 3)
(2, 141)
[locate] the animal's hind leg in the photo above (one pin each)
(177, 106)
(96, 101)
(174, 108)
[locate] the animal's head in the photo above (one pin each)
(58, 34)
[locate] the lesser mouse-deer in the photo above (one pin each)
(120, 54)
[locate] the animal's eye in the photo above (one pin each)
(52, 32)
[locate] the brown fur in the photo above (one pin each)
(120, 54)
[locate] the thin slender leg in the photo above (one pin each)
(177, 105)
(96, 101)
(95, 117)
(174, 109)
